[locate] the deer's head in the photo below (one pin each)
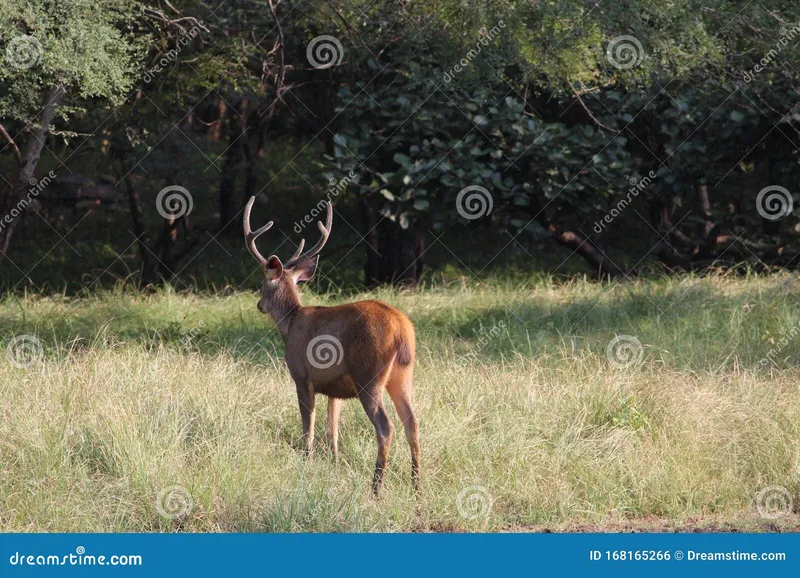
(279, 294)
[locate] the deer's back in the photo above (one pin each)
(361, 335)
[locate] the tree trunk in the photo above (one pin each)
(583, 246)
(234, 156)
(149, 276)
(369, 223)
(705, 206)
(167, 259)
(394, 254)
(770, 227)
(215, 130)
(586, 249)
(12, 199)
(251, 157)
(156, 270)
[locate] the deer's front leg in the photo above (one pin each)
(332, 426)
(306, 401)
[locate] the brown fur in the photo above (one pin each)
(373, 349)
(405, 352)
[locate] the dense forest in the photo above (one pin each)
(601, 137)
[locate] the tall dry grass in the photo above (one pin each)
(524, 420)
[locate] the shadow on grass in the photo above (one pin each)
(690, 324)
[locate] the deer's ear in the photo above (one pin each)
(304, 270)
(274, 268)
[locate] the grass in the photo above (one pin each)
(525, 422)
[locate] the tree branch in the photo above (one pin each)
(10, 140)
(589, 112)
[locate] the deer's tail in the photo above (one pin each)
(406, 343)
(405, 354)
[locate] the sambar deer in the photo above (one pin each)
(351, 350)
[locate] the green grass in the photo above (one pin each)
(137, 393)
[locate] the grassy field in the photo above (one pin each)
(174, 412)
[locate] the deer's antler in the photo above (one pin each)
(250, 236)
(314, 251)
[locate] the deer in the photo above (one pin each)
(354, 350)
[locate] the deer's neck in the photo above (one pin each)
(283, 312)
(284, 318)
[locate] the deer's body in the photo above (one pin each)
(356, 350)
(374, 332)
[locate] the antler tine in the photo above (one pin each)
(250, 235)
(299, 250)
(325, 230)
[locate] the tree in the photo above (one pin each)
(58, 57)
(587, 86)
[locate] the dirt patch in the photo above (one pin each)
(738, 524)
(705, 524)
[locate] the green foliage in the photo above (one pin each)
(528, 100)
(90, 47)
(426, 126)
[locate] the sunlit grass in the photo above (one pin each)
(136, 393)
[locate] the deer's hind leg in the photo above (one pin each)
(400, 389)
(370, 393)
